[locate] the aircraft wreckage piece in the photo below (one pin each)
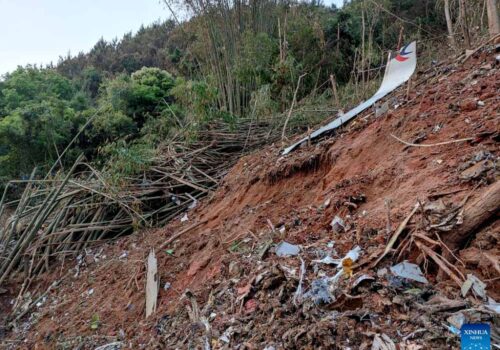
(400, 67)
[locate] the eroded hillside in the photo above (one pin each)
(222, 285)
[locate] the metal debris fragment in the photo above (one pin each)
(286, 249)
(409, 271)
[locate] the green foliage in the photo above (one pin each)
(38, 115)
(257, 55)
(170, 80)
(95, 322)
(149, 47)
(150, 87)
(111, 125)
(127, 102)
(126, 159)
(91, 81)
(25, 85)
(262, 103)
(198, 99)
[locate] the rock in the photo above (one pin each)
(468, 105)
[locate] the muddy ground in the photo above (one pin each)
(222, 285)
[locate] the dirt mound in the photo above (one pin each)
(223, 286)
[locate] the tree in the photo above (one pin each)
(449, 24)
(39, 111)
(464, 23)
(493, 21)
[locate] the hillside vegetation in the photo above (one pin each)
(147, 201)
(229, 60)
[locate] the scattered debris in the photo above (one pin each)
(383, 342)
(457, 320)
(478, 286)
(362, 278)
(184, 217)
(297, 297)
(409, 271)
(396, 234)
(338, 225)
(319, 292)
(286, 249)
(220, 298)
(493, 305)
(117, 345)
(381, 109)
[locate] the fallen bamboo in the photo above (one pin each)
(62, 214)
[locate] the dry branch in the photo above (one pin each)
(431, 144)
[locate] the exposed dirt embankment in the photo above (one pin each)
(364, 176)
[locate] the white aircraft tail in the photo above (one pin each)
(400, 67)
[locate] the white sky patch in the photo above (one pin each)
(40, 31)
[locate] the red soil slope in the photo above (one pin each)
(239, 286)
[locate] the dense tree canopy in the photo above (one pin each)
(229, 60)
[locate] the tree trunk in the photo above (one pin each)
(493, 21)
(476, 213)
(464, 23)
(449, 24)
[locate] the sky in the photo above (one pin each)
(39, 31)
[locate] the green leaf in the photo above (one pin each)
(94, 322)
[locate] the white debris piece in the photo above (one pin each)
(362, 278)
(287, 249)
(383, 342)
(477, 285)
(327, 260)
(353, 254)
(493, 305)
(397, 72)
(457, 320)
(338, 224)
(409, 271)
(193, 204)
(117, 345)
